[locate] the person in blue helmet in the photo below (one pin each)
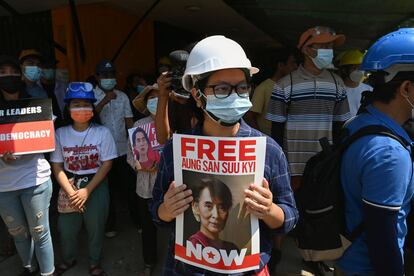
(377, 171)
(80, 163)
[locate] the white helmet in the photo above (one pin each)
(214, 53)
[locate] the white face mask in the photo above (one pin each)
(152, 105)
(323, 59)
(228, 110)
(357, 76)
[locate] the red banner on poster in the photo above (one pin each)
(26, 126)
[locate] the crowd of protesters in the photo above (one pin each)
(311, 94)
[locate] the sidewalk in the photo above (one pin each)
(122, 255)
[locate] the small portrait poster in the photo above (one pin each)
(145, 147)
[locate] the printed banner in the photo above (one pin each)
(218, 170)
(26, 126)
(145, 147)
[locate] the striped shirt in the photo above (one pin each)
(276, 172)
(308, 105)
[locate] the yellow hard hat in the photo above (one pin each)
(351, 57)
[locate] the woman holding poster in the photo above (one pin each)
(218, 75)
(81, 162)
(144, 160)
(25, 189)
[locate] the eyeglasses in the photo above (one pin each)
(223, 90)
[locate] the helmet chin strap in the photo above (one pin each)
(200, 95)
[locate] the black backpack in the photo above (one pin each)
(320, 231)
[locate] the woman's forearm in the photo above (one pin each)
(162, 125)
(62, 178)
(275, 218)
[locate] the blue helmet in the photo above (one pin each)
(80, 90)
(394, 48)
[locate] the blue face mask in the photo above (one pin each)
(140, 88)
(32, 73)
(324, 58)
(228, 110)
(152, 105)
(108, 84)
(48, 74)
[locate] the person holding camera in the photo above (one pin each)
(176, 111)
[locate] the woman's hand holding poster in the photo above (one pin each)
(145, 147)
(218, 170)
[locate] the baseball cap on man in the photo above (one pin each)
(105, 66)
(29, 53)
(9, 60)
(320, 34)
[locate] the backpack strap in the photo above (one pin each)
(372, 130)
(336, 84)
(291, 86)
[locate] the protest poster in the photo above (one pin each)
(26, 126)
(218, 170)
(145, 147)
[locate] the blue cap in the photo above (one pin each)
(105, 66)
(80, 90)
(394, 48)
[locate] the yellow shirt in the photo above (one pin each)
(260, 101)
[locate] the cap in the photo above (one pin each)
(351, 57)
(9, 60)
(105, 66)
(29, 53)
(320, 34)
(139, 101)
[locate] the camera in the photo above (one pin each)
(178, 62)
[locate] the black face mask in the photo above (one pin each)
(11, 84)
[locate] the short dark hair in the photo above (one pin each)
(345, 70)
(92, 80)
(385, 92)
(217, 189)
(130, 78)
(282, 55)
